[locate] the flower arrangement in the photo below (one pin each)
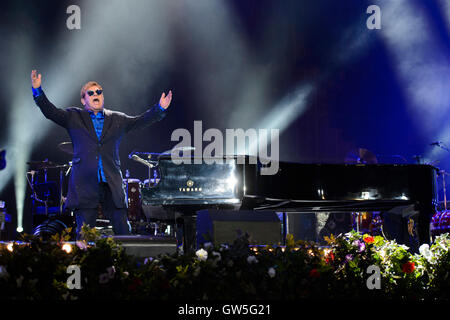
(404, 275)
(37, 269)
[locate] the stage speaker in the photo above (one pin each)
(224, 226)
(313, 226)
(142, 246)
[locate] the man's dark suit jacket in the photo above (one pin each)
(83, 191)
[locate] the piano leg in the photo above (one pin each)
(186, 231)
(409, 225)
(424, 220)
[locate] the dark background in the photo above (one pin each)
(230, 64)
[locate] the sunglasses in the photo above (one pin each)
(91, 93)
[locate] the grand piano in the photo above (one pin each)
(236, 182)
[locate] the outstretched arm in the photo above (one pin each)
(152, 115)
(51, 112)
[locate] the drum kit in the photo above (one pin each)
(440, 222)
(45, 192)
(48, 183)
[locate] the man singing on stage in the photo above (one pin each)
(96, 133)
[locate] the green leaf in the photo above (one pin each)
(290, 242)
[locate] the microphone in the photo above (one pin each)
(437, 143)
(140, 160)
(179, 149)
(130, 156)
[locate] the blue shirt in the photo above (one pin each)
(36, 92)
(97, 121)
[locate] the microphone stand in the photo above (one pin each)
(443, 173)
(440, 145)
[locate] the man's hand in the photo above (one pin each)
(35, 79)
(164, 101)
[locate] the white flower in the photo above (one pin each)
(442, 245)
(3, 272)
(217, 255)
(207, 245)
(111, 271)
(125, 274)
(271, 272)
(252, 259)
(19, 281)
(425, 251)
(202, 255)
(348, 235)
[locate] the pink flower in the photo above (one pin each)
(103, 278)
(361, 246)
(82, 245)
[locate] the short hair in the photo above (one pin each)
(87, 85)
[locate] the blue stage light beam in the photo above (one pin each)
(282, 115)
(422, 65)
(445, 8)
(20, 136)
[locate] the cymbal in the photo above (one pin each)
(67, 147)
(361, 155)
(44, 165)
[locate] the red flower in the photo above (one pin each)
(408, 267)
(135, 284)
(369, 239)
(314, 273)
(329, 257)
(165, 284)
